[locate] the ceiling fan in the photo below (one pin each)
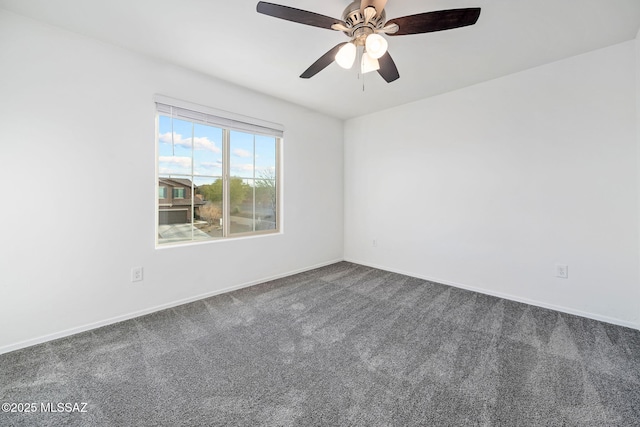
(363, 21)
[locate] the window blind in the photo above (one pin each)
(209, 116)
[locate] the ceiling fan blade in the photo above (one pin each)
(323, 62)
(297, 15)
(377, 4)
(435, 21)
(388, 69)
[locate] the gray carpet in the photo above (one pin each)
(340, 345)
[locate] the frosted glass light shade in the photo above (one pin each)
(376, 45)
(369, 64)
(346, 55)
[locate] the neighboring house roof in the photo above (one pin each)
(180, 181)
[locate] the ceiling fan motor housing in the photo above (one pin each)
(356, 23)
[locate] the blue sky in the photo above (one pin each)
(175, 154)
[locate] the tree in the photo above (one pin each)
(211, 192)
(211, 213)
(238, 191)
(266, 189)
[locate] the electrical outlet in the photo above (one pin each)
(562, 271)
(136, 274)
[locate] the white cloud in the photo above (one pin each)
(239, 152)
(174, 164)
(199, 143)
(183, 162)
(239, 167)
(209, 168)
(205, 144)
(211, 165)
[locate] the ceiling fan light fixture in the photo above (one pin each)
(346, 56)
(376, 45)
(369, 63)
(363, 21)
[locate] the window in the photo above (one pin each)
(224, 174)
(178, 193)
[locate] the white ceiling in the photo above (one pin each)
(229, 40)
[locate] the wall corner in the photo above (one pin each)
(637, 74)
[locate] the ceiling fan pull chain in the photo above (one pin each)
(363, 81)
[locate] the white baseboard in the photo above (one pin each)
(562, 309)
(94, 325)
(90, 326)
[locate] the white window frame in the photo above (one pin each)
(227, 122)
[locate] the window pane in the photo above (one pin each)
(174, 146)
(266, 202)
(266, 179)
(242, 155)
(208, 206)
(265, 157)
(241, 200)
(253, 205)
(175, 214)
(207, 150)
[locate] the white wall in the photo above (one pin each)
(490, 186)
(77, 150)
